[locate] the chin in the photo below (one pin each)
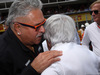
(37, 42)
(95, 19)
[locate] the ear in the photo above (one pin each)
(17, 28)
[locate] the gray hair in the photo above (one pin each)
(59, 28)
(21, 8)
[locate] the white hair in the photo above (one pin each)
(59, 28)
(21, 8)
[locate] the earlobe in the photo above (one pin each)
(17, 28)
(18, 33)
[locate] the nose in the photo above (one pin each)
(93, 13)
(42, 29)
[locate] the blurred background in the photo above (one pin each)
(77, 9)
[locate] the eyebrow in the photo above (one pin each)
(41, 22)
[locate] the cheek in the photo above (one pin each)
(30, 35)
(98, 18)
(33, 38)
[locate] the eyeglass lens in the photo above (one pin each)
(95, 11)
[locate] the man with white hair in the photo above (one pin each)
(21, 43)
(76, 59)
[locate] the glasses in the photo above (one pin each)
(36, 27)
(95, 11)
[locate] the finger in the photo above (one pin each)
(53, 60)
(54, 54)
(53, 51)
(51, 54)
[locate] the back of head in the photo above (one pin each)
(59, 28)
(21, 8)
(97, 1)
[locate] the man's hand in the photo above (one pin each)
(45, 59)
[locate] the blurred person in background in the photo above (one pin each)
(87, 24)
(92, 32)
(76, 59)
(20, 44)
(81, 32)
(82, 29)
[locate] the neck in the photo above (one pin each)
(31, 48)
(98, 24)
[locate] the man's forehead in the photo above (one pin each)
(35, 16)
(96, 5)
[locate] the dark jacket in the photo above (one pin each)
(15, 58)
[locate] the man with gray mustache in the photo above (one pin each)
(21, 43)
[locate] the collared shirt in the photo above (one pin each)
(98, 26)
(15, 57)
(76, 60)
(92, 34)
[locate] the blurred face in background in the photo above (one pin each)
(96, 12)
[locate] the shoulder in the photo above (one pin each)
(60, 46)
(5, 45)
(91, 28)
(92, 25)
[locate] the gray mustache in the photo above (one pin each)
(39, 35)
